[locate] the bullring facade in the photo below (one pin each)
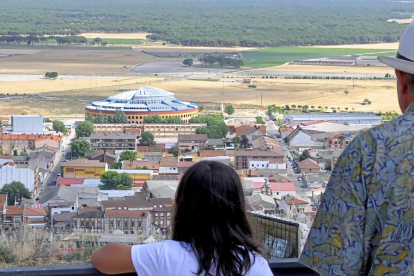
(146, 101)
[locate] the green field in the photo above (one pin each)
(121, 40)
(269, 57)
(213, 80)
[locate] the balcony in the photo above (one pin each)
(282, 267)
(279, 240)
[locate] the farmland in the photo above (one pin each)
(70, 60)
(268, 57)
(274, 91)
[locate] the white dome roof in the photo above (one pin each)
(142, 92)
(144, 99)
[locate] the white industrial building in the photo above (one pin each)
(360, 119)
(27, 123)
(20, 173)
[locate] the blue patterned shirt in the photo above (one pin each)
(365, 222)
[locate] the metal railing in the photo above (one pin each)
(282, 267)
(279, 238)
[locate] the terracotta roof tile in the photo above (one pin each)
(31, 211)
(14, 210)
(3, 199)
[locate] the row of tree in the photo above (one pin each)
(157, 119)
(220, 61)
(118, 118)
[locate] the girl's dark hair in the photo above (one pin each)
(210, 216)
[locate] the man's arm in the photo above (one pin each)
(113, 258)
(335, 244)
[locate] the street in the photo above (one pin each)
(50, 180)
(301, 192)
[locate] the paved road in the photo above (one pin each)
(174, 67)
(271, 127)
(50, 181)
(301, 192)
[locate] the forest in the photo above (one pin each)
(258, 23)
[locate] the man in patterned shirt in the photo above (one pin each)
(365, 222)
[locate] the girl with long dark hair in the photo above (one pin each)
(210, 233)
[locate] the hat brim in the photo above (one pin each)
(399, 64)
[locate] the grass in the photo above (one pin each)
(268, 57)
(122, 41)
(212, 80)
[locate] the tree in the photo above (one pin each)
(59, 126)
(388, 75)
(90, 118)
(173, 120)
(114, 181)
(100, 119)
(328, 165)
(23, 153)
(51, 75)
(188, 62)
(124, 182)
(15, 152)
(120, 117)
(201, 108)
(305, 155)
(97, 40)
(259, 120)
(15, 191)
(84, 129)
(79, 148)
(109, 180)
(104, 43)
(216, 127)
(147, 139)
(229, 109)
(128, 155)
(175, 150)
(153, 119)
(236, 141)
(346, 92)
(293, 106)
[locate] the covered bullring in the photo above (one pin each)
(146, 101)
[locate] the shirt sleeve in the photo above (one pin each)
(147, 258)
(335, 245)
